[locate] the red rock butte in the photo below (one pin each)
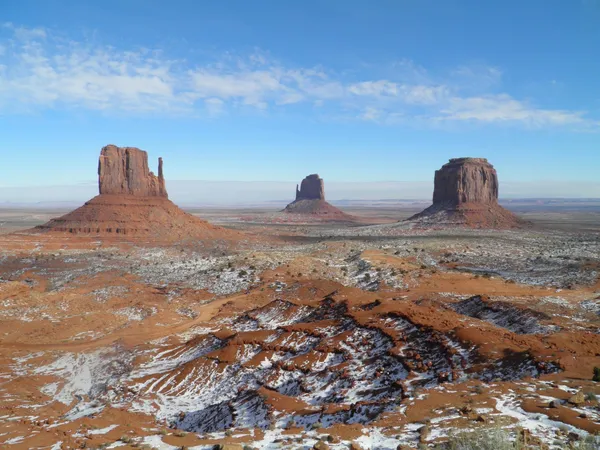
(310, 201)
(124, 171)
(133, 202)
(466, 193)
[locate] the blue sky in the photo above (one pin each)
(274, 90)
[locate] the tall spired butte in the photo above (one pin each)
(124, 171)
(133, 202)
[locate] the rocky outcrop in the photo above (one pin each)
(311, 188)
(133, 203)
(466, 194)
(310, 202)
(124, 171)
(466, 180)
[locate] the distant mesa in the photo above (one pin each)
(466, 193)
(310, 200)
(133, 202)
(311, 188)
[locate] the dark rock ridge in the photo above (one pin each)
(311, 188)
(124, 171)
(466, 193)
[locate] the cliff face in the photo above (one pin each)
(124, 171)
(466, 194)
(311, 188)
(466, 180)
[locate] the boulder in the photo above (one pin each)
(320, 445)
(577, 399)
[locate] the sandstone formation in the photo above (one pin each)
(133, 202)
(311, 188)
(466, 180)
(124, 171)
(466, 193)
(310, 202)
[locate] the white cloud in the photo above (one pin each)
(58, 73)
(214, 106)
(476, 76)
(370, 113)
(503, 108)
(40, 70)
(24, 33)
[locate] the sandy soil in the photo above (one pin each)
(379, 336)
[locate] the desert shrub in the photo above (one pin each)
(596, 376)
(588, 443)
(485, 439)
(591, 397)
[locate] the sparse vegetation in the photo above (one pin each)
(596, 376)
(485, 439)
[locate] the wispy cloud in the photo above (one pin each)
(40, 70)
(503, 108)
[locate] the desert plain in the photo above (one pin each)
(376, 335)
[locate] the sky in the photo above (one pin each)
(373, 96)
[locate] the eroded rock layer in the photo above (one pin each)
(132, 216)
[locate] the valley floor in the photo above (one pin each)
(374, 337)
